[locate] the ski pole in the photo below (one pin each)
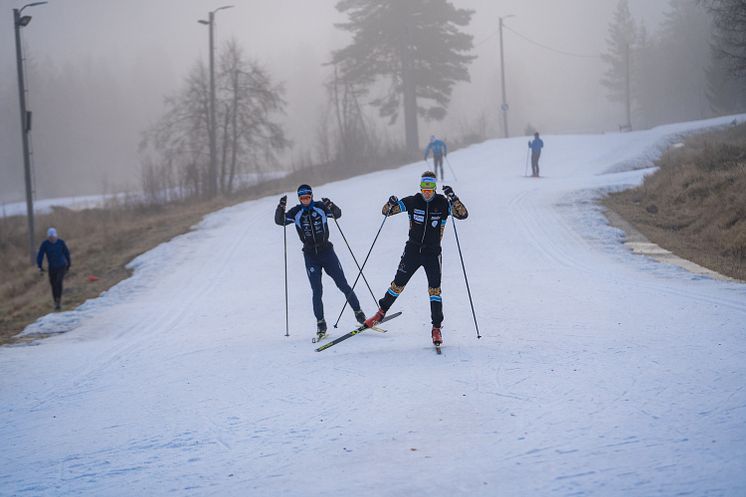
(355, 259)
(526, 171)
(468, 290)
(449, 167)
(364, 262)
(285, 243)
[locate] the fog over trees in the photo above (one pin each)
(117, 88)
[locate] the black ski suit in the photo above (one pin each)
(427, 222)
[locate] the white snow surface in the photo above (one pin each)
(599, 372)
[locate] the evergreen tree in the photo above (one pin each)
(684, 46)
(620, 44)
(730, 32)
(725, 93)
(413, 45)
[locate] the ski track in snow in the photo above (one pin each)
(599, 373)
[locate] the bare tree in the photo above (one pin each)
(247, 103)
(252, 100)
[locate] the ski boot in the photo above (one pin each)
(320, 329)
(57, 305)
(360, 316)
(437, 337)
(375, 318)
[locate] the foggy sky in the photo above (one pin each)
(146, 48)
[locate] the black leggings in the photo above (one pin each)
(411, 261)
(56, 275)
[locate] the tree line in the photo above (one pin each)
(404, 59)
(693, 67)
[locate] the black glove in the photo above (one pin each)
(393, 200)
(449, 193)
(327, 203)
(283, 201)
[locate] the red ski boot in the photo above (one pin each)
(375, 318)
(437, 337)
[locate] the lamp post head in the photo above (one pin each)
(31, 5)
(202, 21)
(23, 21)
(223, 8)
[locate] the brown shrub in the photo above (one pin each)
(699, 194)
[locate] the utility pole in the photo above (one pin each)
(504, 107)
(212, 171)
(19, 22)
(627, 86)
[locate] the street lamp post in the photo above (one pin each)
(19, 22)
(504, 107)
(212, 186)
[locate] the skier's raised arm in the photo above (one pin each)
(331, 208)
(280, 216)
(458, 209)
(393, 206)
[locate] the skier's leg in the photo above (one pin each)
(63, 272)
(433, 270)
(313, 270)
(409, 263)
(56, 283)
(438, 161)
(333, 268)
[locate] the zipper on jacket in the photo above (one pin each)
(424, 223)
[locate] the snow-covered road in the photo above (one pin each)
(599, 373)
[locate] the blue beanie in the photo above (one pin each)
(304, 190)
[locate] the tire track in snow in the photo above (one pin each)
(149, 327)
(545, 224)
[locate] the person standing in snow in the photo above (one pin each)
(439, 150)
(535, 145)
(428, 212)
(310, 218)
(58, 263)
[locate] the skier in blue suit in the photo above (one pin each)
(310, 218)
(439, 150)
(535, 145)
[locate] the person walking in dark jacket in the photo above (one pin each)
(535, 145)
(58, 263)
(310, 218)
(428, 212)
(439, 149)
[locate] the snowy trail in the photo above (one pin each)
(599, 372)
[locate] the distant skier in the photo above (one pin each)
(428, 212)
(439, 150)
(535, 145)
(310, 219)
(58, 263)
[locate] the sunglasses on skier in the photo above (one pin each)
(304, 198)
